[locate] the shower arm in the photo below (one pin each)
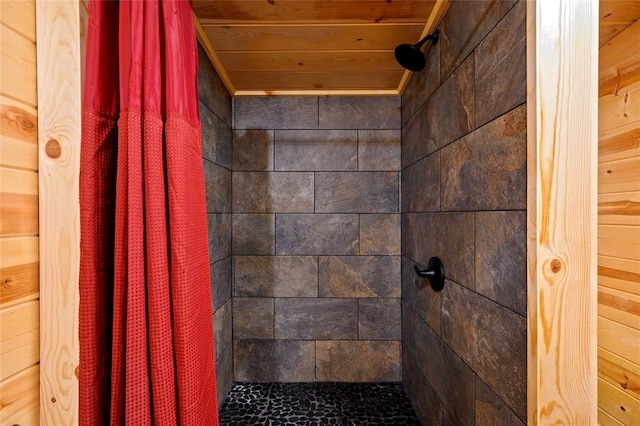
(435, 37)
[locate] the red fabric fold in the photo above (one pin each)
(146, 333)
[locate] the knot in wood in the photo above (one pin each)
(53, 148)
(556, 265)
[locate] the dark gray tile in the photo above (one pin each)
(486, 170)
(276, 112)
(316, 150)
(379, 150)
(219, 228)
(211, 90)
(491, 410)
(359, 276)
(275, 276)
(272, 192)
(380, 234)
(447, 374)
(224, 374)
(464, 25)
(417, 139)
(424, 399)
(312, 318)
(421, 185)
(252, 150)
(220, 273)
(216, 138)
(217, 182)
(341, 361)
(222, 328)
(252, 318)
(328, 234)
(418, 294)
(501, 67)
(357, 192)
(448, 236)
(373, 112)
(422, 84)
(274, 360)
(379, 319)
(254, 234)
(491, 339)
(501, 258)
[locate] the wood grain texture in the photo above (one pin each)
(618, 404)
(620, 61)
(620, 112)
(18, 270)
(619, 339)
(619, 241)
(19, 338)
(620, 372)
(59, 95)
(276, 81)
(17, 66)
(19, 398)
(20, 16)
(621, 208)
(620, 146)
(562, 210)
(619, 306)
(18, 135)
(620, 274)
(606, 419)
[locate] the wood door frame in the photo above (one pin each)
(561, 213)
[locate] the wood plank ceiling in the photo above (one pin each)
(312, 47)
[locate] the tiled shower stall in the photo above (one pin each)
(319, 208)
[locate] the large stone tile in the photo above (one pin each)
(316, 150)
(464, 25)
(253, 150)
(317, 234)
(422, 84)
(275, 276)
(254, 234)
(374, 112)
(274, 360)
(421, 185)
(211, 90)
(216, 138)
(357, 192)
(347, 361)
(448, 236)
(491, 410)
(450, 109)
(217, 183)
(417, 139)
(379, 150)
(272, 192)
(501, 67)
(418, 294)
(449, 376)
(252, 318)
(379, 319)
(486, 170)
(491, 339)
(501, 258)
(424, 399)
(276, 112)
(222, 328)
(219, 228)
(380, 234)
(359, 276)
(224, 374)
(220, 273)
(312, 318)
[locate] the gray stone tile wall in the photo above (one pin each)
(215, 116)
(316, 239)
(463, 199)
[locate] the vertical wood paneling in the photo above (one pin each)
(19, 282)
(59, 82)
(562, 211)
(619, 226)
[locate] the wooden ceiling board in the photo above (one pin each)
(226, 38)
(312, 11)
(615, 16)
(280, 81)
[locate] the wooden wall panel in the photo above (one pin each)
(619, 217)
(19, 281)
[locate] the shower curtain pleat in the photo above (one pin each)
(146, 333)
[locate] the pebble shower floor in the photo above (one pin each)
(315, 404)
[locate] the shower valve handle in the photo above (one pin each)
(434, 273)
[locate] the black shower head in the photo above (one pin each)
(410, 56)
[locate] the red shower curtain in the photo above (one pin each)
(146, 338)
